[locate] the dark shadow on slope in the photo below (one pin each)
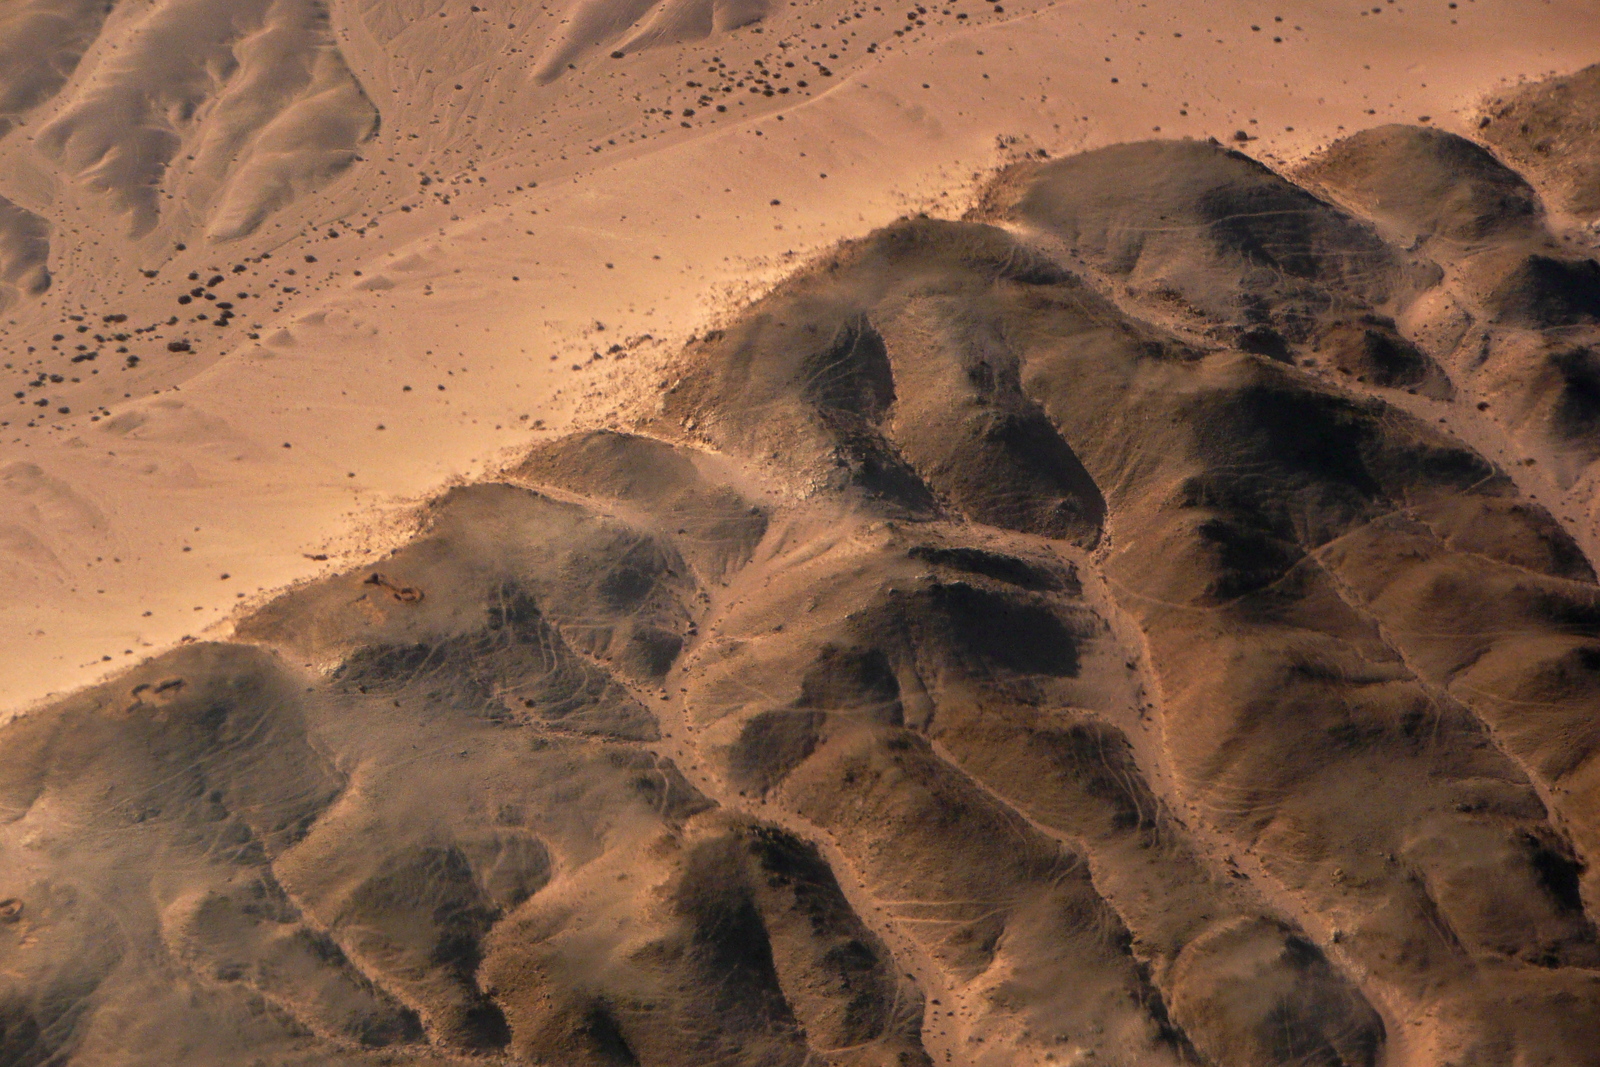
(1545, 293)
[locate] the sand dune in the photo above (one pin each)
(641, 24)
(24, 254)
(41, 43)
(257, 94)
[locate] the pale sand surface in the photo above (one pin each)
(115, 531)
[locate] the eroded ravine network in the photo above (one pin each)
(1053, 636)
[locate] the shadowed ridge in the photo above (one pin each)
(684, 493)
(1515, 317)
(1194, 227)
(810, 393)
(1166, 207)
(507, 590)
(243, 105)
(1547, 128)
(1425, 182)
(1544, 292)
(24, 253)
(41, 44)
(966, 669)
(884, 369)
(199, 763)
(635, 25)
(908, 724)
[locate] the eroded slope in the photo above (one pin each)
(234, 109)
(1084, 631)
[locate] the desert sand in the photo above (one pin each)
(791, 534)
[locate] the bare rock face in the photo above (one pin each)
(1067, 634)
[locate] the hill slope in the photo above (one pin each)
(1120, 625)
